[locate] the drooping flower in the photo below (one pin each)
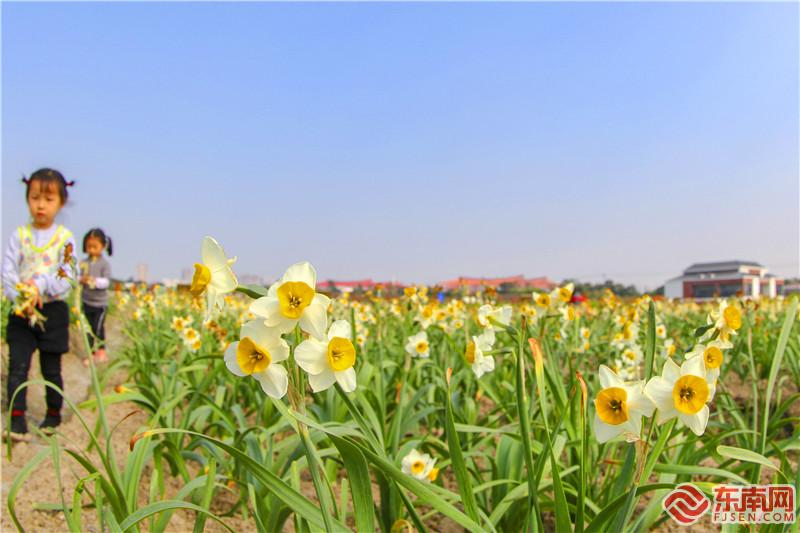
(329, 360)
(214, 276)
(619, 406)
(417, 345)
(419, 465)
(683, 392)
(293, 300)
(474, 353)
(257, 353)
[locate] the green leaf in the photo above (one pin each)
(740, 454)
(23, 474)
(694, 470)
(253, 291)
(650, 341)
(457, 459)
(167, 505)
(358, 472)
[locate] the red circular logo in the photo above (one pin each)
(686, 504)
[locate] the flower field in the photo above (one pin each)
(306, 411)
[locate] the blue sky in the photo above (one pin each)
(413, 141)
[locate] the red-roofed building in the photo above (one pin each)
(349, 286)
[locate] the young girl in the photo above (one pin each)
(95, 278)
(35, 260)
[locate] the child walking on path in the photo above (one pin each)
(36, 275)
(95, 279)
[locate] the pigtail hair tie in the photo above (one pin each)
(69, 183)
(25, 180)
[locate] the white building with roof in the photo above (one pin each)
(722, 279)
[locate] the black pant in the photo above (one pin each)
(51, 341)
(97, 320)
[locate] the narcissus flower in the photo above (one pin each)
(498, 315)
(417, 345)
(419, 465)
(256, 354)
(293, 300)
(542, 299)
(681, 391)
(619, 407)
(330, 360)
(727, 319)
(563, 295)
(474, 353)
(214, 276)
(713, 356)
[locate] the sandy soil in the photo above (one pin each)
(42, 486)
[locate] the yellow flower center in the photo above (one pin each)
(690, 394)
(251, 357)
(417, 467)
(200, 280)
(733, 317)
(341, 354)
(543, 300)
(422, 346)
(470, 353)
(410, 291)
(713, 357)
(433, 474)
(612, 405)
(294, 297)
(564, 294)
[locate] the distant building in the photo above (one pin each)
(724, 278)
(476, 284)
(350, 286)
(251, 279)
(142, 272)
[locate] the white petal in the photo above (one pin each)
(274, 380)
(608, 378)
(638, 402)
(695, 366)
(322, 381)
(671, 370)
(605, 432)
(340, 328)
(311, 356)
(265, 307)
(212, 254)
(314, 319)
(252, 329)
(231, 361)
(696, 422)
(224, 280)
(301, 272)
(278, 350)
(659, 390)
(347, 379)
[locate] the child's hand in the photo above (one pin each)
(36, 300)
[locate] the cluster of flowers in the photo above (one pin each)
(327, 355)
(680, 391)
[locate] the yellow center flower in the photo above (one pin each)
(341, 354)
(543, 300)
(433, 474)
(612, 405)
(417, 467)
(251, 357)
(422, 346)
(713, 357)
(564, 294)
(733, 317)
(470, 353)
(690, 394)
(200, 280)
(294, 297)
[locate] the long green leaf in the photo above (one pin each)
(457, 459)
(358, 472)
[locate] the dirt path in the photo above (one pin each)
(42, 486)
